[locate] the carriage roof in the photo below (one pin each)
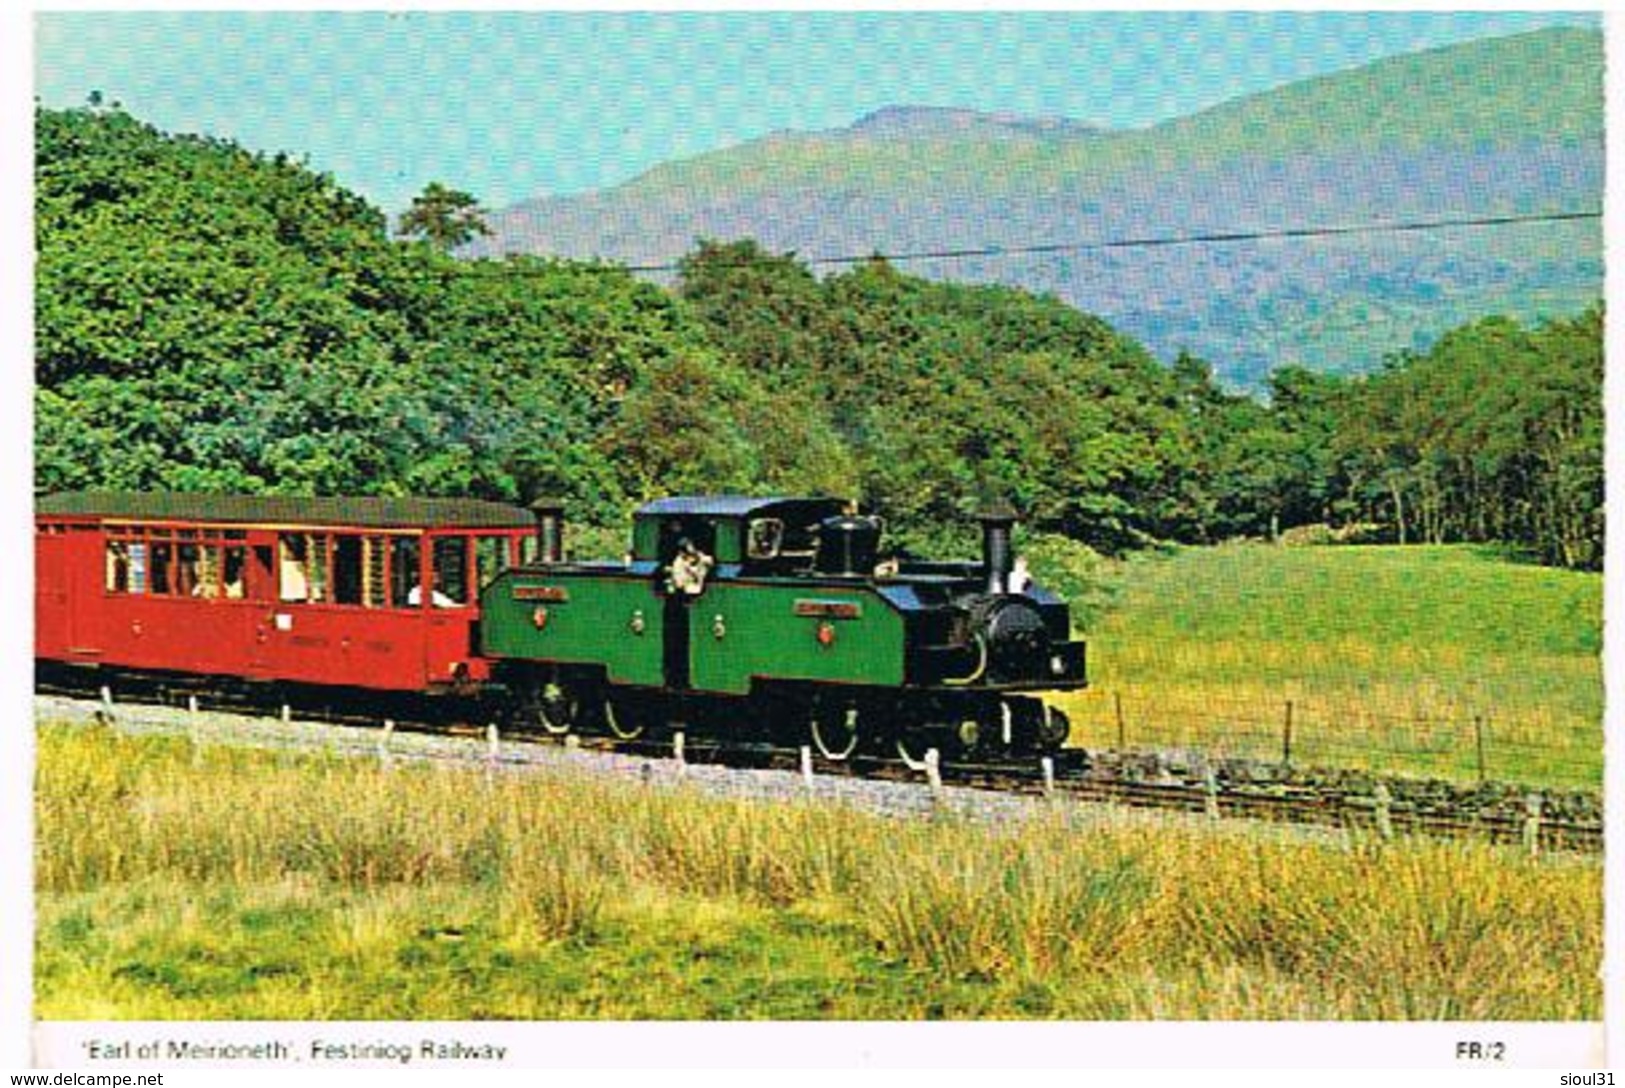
(361, 511)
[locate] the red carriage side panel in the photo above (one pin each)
(366, 593)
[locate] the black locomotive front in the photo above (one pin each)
(989, 628)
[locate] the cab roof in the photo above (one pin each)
(728, 506)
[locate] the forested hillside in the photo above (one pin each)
(210, 319)
(1508, 126)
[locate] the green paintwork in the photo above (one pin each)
(730, 540)
(762, 636)
(646, 539)
(728, 544)
(592, 627)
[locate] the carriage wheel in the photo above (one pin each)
(834, 730)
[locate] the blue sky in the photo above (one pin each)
(515, 105)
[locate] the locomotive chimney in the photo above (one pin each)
(996, 553)
(549, 530)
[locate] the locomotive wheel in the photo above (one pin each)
(556, 709)
(1035, 725)
(1054, 730)
(970, 735)
(624, 719)
(834, 730)
(911, 749)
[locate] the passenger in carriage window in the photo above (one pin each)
(436, 597)
(118, 567)
(190, 578)
(159, 573)
(232, 574)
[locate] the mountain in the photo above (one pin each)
(1500, 127)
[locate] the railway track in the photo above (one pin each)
(1220, 789)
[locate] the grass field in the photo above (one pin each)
(1387, 655)
(230, 883)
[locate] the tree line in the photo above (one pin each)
(212, 319)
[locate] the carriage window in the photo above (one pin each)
(231, 572)
(529, 549)
(403, 571)
(163, 560)
(118, 567)
(450, 571)
(294, 552)
(208, 572)
(303, 566)
(187, 564)
(490, 558)
(138, 567)
(347, 568)
(358, 570)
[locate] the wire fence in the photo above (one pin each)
(1465, 746)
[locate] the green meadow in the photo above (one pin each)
(1396, 658)
(238, 884)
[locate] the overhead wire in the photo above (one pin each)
(1228, 237)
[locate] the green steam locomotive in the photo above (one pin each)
(780, 619)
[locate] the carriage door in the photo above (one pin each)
(52, 634)
(259, 588)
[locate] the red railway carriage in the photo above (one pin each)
(364, 592)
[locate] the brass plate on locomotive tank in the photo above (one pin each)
(834, 610)
(541, 593)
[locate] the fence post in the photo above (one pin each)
(1385, 820)
(1047, 766)
(1531, 824)
(287, 713)
(193, 733)
(493, 742)
(1122, 732)
(933, 773)
(807, 766)
(1478, 731)
(678, 743)
(1286, 737)
(1210, 790)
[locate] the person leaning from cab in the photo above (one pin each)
(689, 569)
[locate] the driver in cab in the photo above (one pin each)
(689, 570)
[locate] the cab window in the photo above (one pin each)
(763, 538)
